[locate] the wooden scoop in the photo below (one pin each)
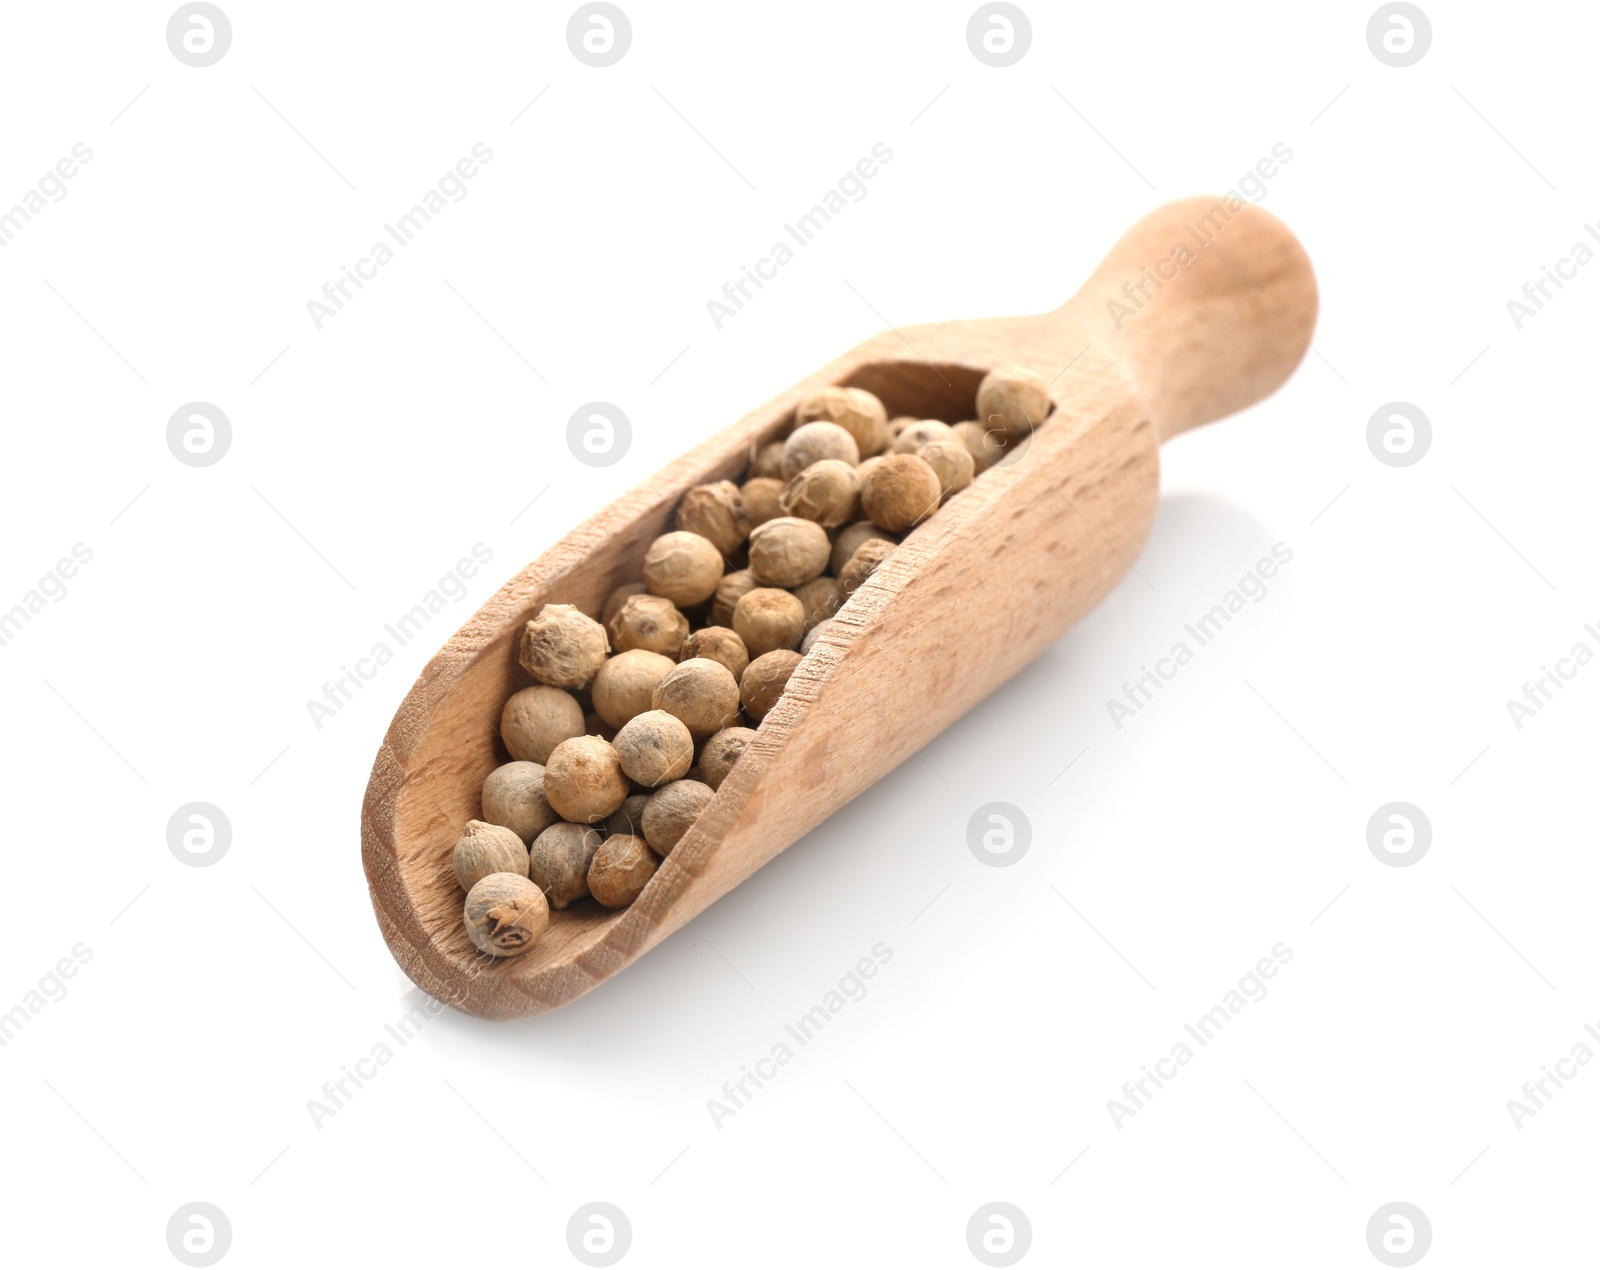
(1200, 310)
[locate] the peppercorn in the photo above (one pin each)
(617, 599)
(683, 567)
(821, 598)
(562, 647)
(762, 495)
(766, 460)
(629, 817)
(650, 622)
(855, 410)
(733, 588)
(851, 537)
(719, 643)
(483, 849)
(654, 748)
(701, 693)
(828, 492)
(620, 869)
(672, 811)
(900, 423)
(558, 862)
(504, 914)
(813, 635)
(513, 796)
(920, 433)
(1014, 399)
(622, 688)
(717, 513)
(986, 445)
(811, 442)
(768, 618)
(899, 492)
(869, 555)
(583, 780)
(721, 752)
(788, 551)
(765, 680)
(950, 463)
(536, 720)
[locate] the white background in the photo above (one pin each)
(370, 455)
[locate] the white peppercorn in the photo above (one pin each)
(483, 849)
(719, 643)
(617, 599)
(536, 720)
(768, 618)
(767, 460)
(762, 495)
(788, 551)
(813, 635)
(765, 680)
(654, 748)
(855, 410)
(701, 693)
(899, 492)
(869, 555)
(733, 588)
(620, 869)
(683, 567)
(622, 688)
(513, 796)
(717, 513)
(811, 442)
(721, 752)
(628, 818)
(504, 914)
(672, 811)
(583, 780)
(950, 463)
(851, 537)
(987, 446)
(562, 646)
(828, 492)
(900, 423)
(594, 725)
(558, 862)
(821, 598)
(920, 433)
(650, 622)
(1013, 398)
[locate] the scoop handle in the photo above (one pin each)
(1209, 303)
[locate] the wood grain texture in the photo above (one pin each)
(1135, 357)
